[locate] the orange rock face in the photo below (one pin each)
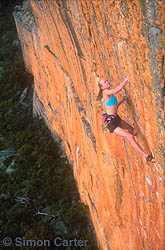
(68, 46)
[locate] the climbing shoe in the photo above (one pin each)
(149, 158)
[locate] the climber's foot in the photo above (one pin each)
(150, 157)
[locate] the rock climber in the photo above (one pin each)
(113, 121)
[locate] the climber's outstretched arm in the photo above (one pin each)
(119, 88)
(123, 99)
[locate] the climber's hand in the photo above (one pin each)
(126, 80)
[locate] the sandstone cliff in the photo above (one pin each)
(68, 45)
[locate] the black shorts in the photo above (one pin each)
(112, 122)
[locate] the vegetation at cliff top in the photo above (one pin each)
(38, 194)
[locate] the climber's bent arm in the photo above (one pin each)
(116, 90)
(119, 103)
(124, 98)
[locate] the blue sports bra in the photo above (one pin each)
(112, 101)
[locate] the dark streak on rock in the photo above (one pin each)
(68, 24)
(56, 26)
(88, 131)
(97, 217)
(123, 171)
(69, 146)
(109, 32)
(132, 184)
(91, 180)
(50, 106)
(104, 53)
(79, 105)
(119, 195)
(69, 27)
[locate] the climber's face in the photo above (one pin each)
(105, 84)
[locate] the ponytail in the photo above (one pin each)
(100, 94)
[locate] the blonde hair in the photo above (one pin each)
(100, 94)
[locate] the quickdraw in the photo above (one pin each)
(107, 118)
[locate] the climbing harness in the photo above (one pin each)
(107, 118)
(111, 121)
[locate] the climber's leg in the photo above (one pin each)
(130, 137)
(124, 125)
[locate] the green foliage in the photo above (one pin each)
(39, 199)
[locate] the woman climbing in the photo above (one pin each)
(114, 123)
